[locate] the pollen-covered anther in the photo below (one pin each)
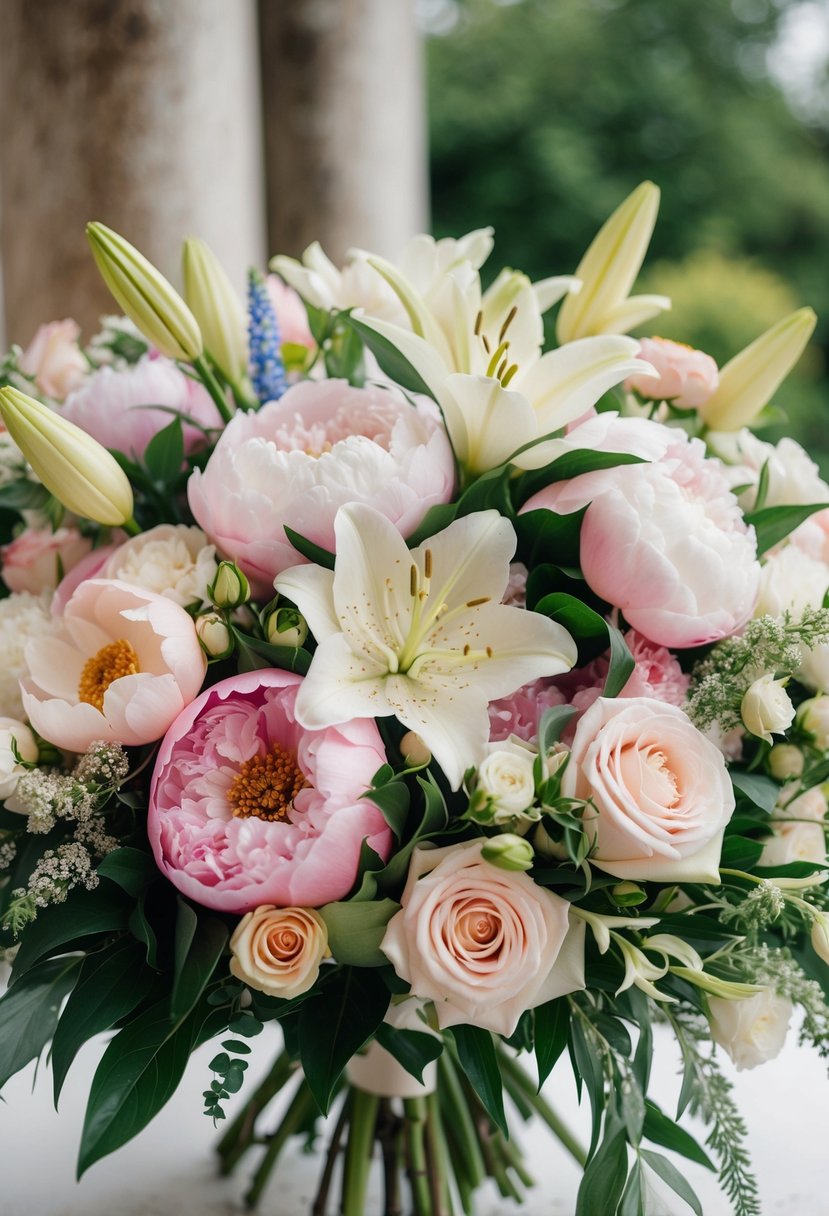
(111, 662)
(266, 786)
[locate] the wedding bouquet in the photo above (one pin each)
(454, 703)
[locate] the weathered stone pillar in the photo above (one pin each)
(142, 113)
(344, 109)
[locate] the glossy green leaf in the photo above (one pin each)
(659, 1129)
(552, 1028)
(355, 930)
(336, 1024)
(413, 1049)
(255, 654)
(131, 869)
(393, 799)
(314, 553)
(762, 791)
(621, 663)
(544, 536)
(29, 1012)
(82, 915)
(604, 1178)
(773, 524)
(396, 366)
(199, 942)
(437, 518)
(164, 454)
(479, 1060)
(571, 464)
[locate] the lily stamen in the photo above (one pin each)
(508, 320)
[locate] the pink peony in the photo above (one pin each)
(121, 666)
(34, 560)
(666, 543)
(520, 713)
(112, 406)
(299, 459)
(89, 566)
(55, 360)
(247, 808)
(290, 313)
(687, 377)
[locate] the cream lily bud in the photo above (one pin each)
(813, 717)
(286, 627)
(785, 761)
(145, 295)
(750, 380)
(71, 464)
(413, 750)
(217, 309)
(820, 936)
(230, 588)
(608, 270)
(508, 852)
(215, 637)
(766, 708)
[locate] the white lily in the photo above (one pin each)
(608, 270)
(420, 634)
(479, 355)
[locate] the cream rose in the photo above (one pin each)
(279, 950)
(753, 1030)
(484, 944)
(794, 840)
(661, 791)
(766, 708)
(507, 776)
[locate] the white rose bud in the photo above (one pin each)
(753, 1030)
(813, 716)
(230, 588)
(14, 735)
(286, 627)
(279, 950)
(214, 635)
(785, 760)
(507, 776)
(766, 708)
(820, 936)
(508, 852)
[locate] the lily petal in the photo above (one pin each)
(311, 588)
(496, 421)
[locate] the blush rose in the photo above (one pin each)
(279, 950)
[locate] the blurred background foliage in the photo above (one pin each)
(544, 114)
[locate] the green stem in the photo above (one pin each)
(239, 1135)
(131, 527)
(213, 387)
(301, 1106)
(461, 1123)
(358, 1152)
(512, 1153)
(438, 1157)
(414, 1114)
(321, 1199)
(515, 1074)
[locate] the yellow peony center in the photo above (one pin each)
(111, 663)
(266, 786)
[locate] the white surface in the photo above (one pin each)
(169, 1168)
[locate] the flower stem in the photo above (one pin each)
(301, 1106)
(213, 387)
(321, 1199)
(239, 1135)
(414, 1113)
(358, 1152)
(517, 1080)
(461, 1124)
(389, 1133)
(438, 1158)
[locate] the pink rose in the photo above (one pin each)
(299, 459)
(115, 407)
(666, 543)
(34, 560)
(290, 313)
(660, 789)
(687, 377)
(484, 944)
(121, 666)
(55, 360)
(247, 808)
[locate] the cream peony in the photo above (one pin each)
(279, 950)
(483, 943)
(23, 617)
(661, 791)
(170, 560)
(753, 1030)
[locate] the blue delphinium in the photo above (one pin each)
(267, 371)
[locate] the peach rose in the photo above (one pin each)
(686, 377)
(279, 950)
(55, 360)
(38, 558)
(484, 944)
(660, 789)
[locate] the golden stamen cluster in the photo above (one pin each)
(111, 663)
(266, 786)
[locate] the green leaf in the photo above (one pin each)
(438, 517)
(393, 799)
(435, 818)
(336, 1024)
(604, 1178)
(762, 791)
(413, 1049)
(571, 464)
(490, 490)
(661, 1130)
(773, 524)
(138, 1073)
(633, 1201)
(130, 869)
(256, 654)
(314, 553)
(621, 663)
(396, 366)
(587, 1066)
(344, 354)
(24, 495)
(552, 725)
(29, 1012)
(110, 986)
(164, 454)
(552, 1028)
(544, 536)
(141, 929)
(479, 1060)
(199, 942)
(669, 1174)
(740, 853)
(83, 914)
(355, 930)
(582, 622)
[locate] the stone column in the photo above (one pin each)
(144, 114)
(345, 144)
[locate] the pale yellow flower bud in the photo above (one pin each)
(750, 380)
(820, 936)
(147, 298)
(785, 760)
(71, 464)
(286, 627)
(230, 588)
(214, 635)
(813, 716)
(413, 750)
(508, 852)
(217, 309)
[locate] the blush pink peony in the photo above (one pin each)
(290, 314)
(666, 543)
(121, 666)
(247, 808)
(115, 406)
(686, 377)
(299, 459)
(35, 560)
(54, 359)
